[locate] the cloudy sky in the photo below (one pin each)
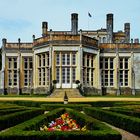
(23, 18)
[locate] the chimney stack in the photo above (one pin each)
(74, 23)
(109, 28)
(136, 41)
(127, 32)
(44, 28)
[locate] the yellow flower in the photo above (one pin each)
(83, 128)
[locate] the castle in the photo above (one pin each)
(103, 61)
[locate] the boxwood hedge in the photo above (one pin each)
(126, 112)
(78, 107)
(18, 117)
(30, 129)
(129, 123)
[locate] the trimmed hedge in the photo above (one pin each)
(94, 104)
(11, 110)
(30, 129)
(18, 117)
(126, 112)
(125, 122)
(78, 107)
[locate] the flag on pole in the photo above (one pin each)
(89, 14)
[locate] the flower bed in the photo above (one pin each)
(31, 129)
(63, 123)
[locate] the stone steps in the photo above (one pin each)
(71, 93)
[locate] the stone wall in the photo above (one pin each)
(137, 71)
(41, 90)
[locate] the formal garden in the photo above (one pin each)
(28, 120)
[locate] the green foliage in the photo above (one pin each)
(73, 106)
(30, 129)
(125, 111)
(11, 110)
(125, 122)
(17, 117)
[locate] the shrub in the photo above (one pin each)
(126, 112)
(29, 129)
(18, 117)
(73, 106)
(12, 110)
(116, 119)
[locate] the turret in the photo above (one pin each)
(109, 28)
(74, 23)
(44, 28)
(127, 32)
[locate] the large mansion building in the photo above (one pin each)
(103, 61)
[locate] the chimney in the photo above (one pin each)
(109, 28)
(127, 32)
(74, 23)
(136, 41)
(44, 28)
(4, 41)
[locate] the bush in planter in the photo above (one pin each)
(77, 82)
(54, 82)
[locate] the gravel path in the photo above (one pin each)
(125, 135)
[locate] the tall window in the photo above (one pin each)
(43, 69)
(28, 70)
(107, 67)
(73, 75)
(12, 71)
(88, 69)
(123, 71)
(66, 67)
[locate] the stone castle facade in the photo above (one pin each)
(102, 60)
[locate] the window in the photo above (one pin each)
(28, 71)
(88, 57)
(68, 59)
(63, 75)
(73, 59)
(57, 59)
(63, 59)
(43, 59)
(88, 69)
(58, 75)
(12, 71)
(43, 69)
(73, 75)
(107, 67)
(123, 72)
(68, 75)
(104, 39)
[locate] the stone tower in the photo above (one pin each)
(44, 28)
(127, 32)
(74, 23)
(109, 28)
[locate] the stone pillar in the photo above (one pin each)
(118, 76)
(132, 70)
(3, 87)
